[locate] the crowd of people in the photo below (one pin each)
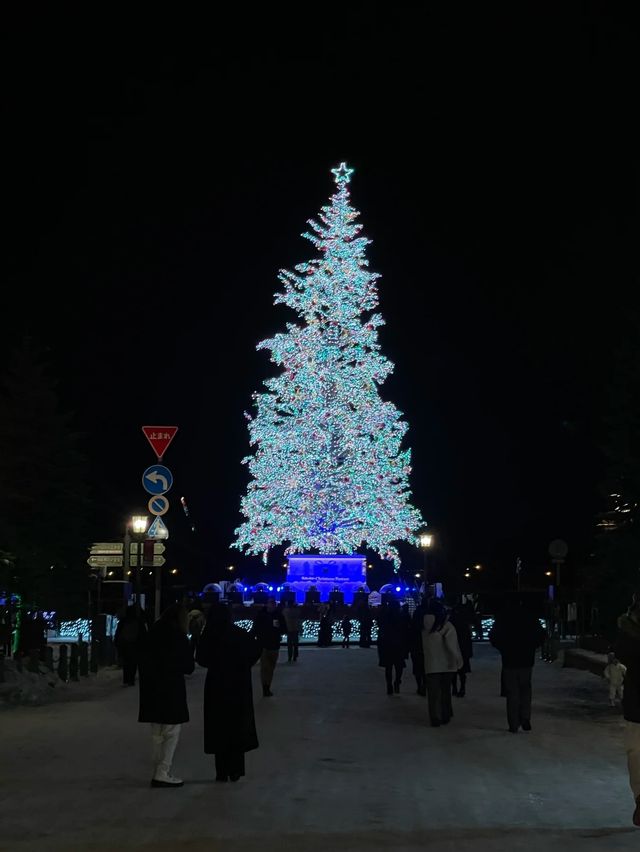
(436, 640)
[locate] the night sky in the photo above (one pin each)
(159, 174)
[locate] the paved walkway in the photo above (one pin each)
(342, 767)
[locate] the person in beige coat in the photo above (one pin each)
(442, 658)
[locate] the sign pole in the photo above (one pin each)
(158, 597)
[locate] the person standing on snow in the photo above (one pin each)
(517, 633)
(442, 659)
(292, 620)
(228, 652)
(628, 652)
(614, 672)
(165, 660)
(268, 627)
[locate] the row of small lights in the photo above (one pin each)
(111, 573)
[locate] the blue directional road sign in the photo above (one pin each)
(159, 505)
(157, 479)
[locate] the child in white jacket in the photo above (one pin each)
(614, 672)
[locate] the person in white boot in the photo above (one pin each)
(166, 659)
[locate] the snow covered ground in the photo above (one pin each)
(341, 767)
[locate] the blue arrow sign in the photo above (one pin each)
(157, 479)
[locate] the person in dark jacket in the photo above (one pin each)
(165, 659)
(129, 640)
(415, 648)
(325, 632)
(462, 617)
(517, 633)
(628, 652)
(393, 645)
(268, 627)
(366, 623)
(228, 652)
(346, 630)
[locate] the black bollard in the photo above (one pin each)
(48, 658)
(1, 667)
(63, 669)
(73, 663)
(84, 659)
(33, 663)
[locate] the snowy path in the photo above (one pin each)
(341, 767)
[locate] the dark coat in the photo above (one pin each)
(325, 631)
(268, 627)
(131, 634)
(516, 634)
(229, 723)
(166, 658)
(628, 652)
(393, 639)
(462, 624)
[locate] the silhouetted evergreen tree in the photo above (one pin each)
(43, 490)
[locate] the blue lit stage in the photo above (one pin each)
(327, 573)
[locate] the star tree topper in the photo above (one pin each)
(342, 173)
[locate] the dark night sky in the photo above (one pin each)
(159, 175)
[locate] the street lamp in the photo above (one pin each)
(426, 542)
(137, 525)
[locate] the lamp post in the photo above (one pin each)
(136, 528)
(426, 542)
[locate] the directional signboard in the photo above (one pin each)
(159, 437)
(158, 529)
(107, 547)
(157, 479)
(159, 505)
(105, 561)
(157, 562)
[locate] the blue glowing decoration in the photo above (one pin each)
(326, 573)
(328, 471)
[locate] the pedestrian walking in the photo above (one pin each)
(292, 619)
(366, 623)
(197, 621)
(325, 629)
(129, 640)
(415, 648)
(268, 627)
(463, 620)
(614, 672)
(442, 659)
(164, 661)
(346, 630)
(228, 652)
(393, 645)
(628, 652)
(516, 633)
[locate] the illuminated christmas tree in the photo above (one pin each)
(328, 472)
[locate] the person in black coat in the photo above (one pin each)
(164, 661)
(415, 648)
(628, 652)
(129, 640)
(347, 627)
(366, 622)
(393, 645)
(325, 630)
(463, 618)
(228, 653)
(517, 633)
